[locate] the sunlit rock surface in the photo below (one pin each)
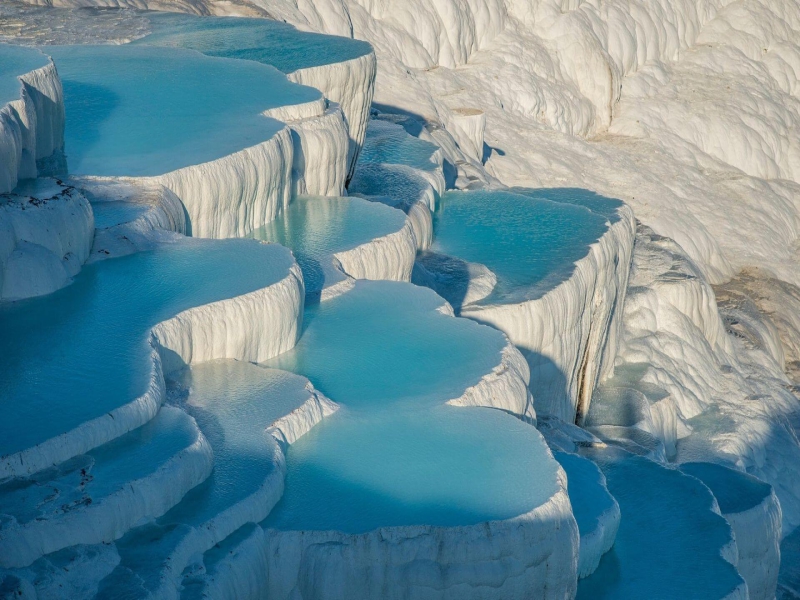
(687, 112)
(47, 231)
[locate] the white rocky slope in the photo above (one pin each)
(31, 126)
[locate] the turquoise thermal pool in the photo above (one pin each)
(315, 228)
(529, 241)
(266, 41)
(395, 454)
(669, 539)
(84, 350)
(134, 110)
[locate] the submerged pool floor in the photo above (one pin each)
(84, 350)
(144, 111)
(530, 239)
(395, 453)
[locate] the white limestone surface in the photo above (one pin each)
(94, 512)
(535, 553)
(733, 402)
(754, 513)
(252, 327)
(32, 126)
(46, 232)
(351, 85)
(570, 335)
(389, 257)
(319, 164)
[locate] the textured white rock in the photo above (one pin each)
(731, 402)
(232, 196)
(450, 276)
(253, 327)
(504, 388)
(47, 230)
(32, 127)
(252, 509)
(467, 126)
(108, 518)
(90, 434)
(534, 554)
(319, 164)
(351, 85)
(570, 335)
(163, 212)
(289, 428)
(388, 257)
(758, 535)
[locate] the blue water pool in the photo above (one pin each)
(669, 539)
(395, 454)
(267, 41)
(735, 491)
(388, 143)
(315, 228)
(529, 241)
(141, 111)
(83, 351)
(16, 61)
(233, 403)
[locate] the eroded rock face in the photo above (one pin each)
(47, 232)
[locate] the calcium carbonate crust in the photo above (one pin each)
(32, 127)
(758, 535)
(252, 509)
(350, 84)
(254, 327)
(570, 335)
(319, 164)
(389, 257)
(44, 240)
(110, 517)
(534, 554)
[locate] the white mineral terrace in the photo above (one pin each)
(341, 299)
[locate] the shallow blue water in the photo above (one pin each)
(668, 543)
(114, 212)
(394, 454)
(16, 61)
(530, 243)
(390, 144)
(233, 403)
(82, 351)
(103, 471)
(587, 495)
(139, 111)
(263, 40)
(735, 491)
(317, 227)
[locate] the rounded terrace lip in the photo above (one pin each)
(127, 107)
(84, 350)
(396, 454)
